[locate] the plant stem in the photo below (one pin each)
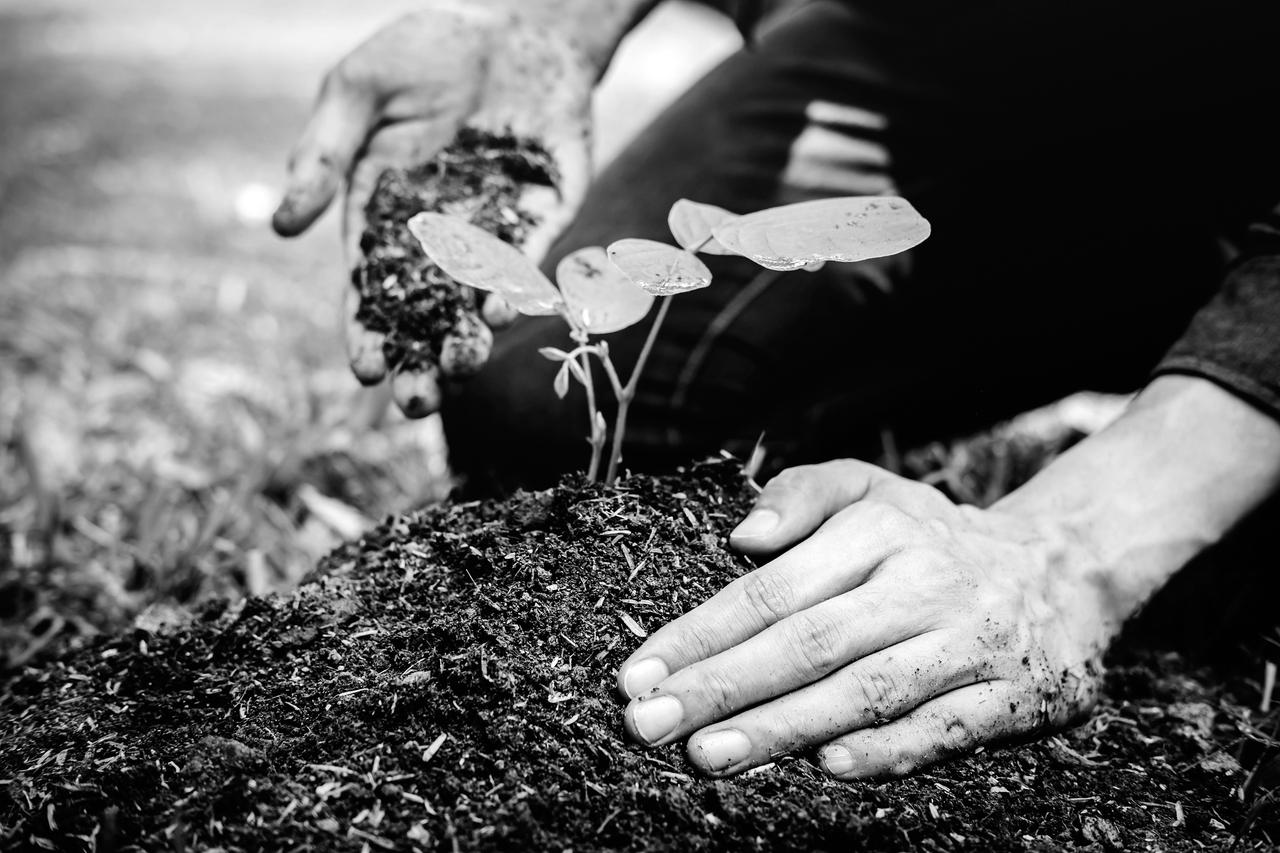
(628, 392)
(597, 434)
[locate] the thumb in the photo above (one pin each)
(796, 503)
(337, 130)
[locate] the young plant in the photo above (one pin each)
(606, 290)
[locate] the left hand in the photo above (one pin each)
(900, 630)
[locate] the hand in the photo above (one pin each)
(900, 630)
(403, 95)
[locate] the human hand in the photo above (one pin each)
(899, 630)
(401, 97)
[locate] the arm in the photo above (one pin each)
(1141, 498)
(900, 629)
(521, 66)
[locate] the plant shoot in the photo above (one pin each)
(602, 291)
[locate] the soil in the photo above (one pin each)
(480, 177)
(447, 683)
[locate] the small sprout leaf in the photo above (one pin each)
(837, 229)
(561, 384)
(577, 371)
(553, 354)
(598, 297)
(475, 257)
(691, 223)
(661, 269)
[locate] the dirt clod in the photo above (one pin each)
(429, 319)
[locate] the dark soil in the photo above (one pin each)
(447, 683)
(479, 177)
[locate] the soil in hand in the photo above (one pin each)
(480, 177)
(447, 683)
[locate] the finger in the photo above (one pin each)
(795, 652)
(364, 347)
(497, 312)
(839, 558)
(951, 724)
(466, 349)
(335, 133)
(882, 686)
(796, 502)
(416, 392)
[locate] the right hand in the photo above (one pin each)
(400, 97)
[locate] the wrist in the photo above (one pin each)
(1128, 507)
(592, 28)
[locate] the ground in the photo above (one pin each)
(174, 414)
(446, 683)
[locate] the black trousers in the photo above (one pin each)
(1068, 252)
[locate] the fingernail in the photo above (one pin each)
(837, 761)
(723, 749)
(656, 718)
(643, 676)
(760, 522)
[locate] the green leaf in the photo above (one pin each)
(474, 257)
(836, 229)
(661, 269)
(691, 223)
(598, 297)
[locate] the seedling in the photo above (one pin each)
(606, 290)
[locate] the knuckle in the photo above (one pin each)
(885, 518)
(696, 638)
(815, 642)
(719, 690)
(767, 596)
(873, 690)
(790, 481)
(954, 735)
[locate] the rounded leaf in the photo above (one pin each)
(598, 297)
(835, 229)
(660, 269)
(474, 257)
(691, 223)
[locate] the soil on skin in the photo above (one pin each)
(479, 177)
(447, 683)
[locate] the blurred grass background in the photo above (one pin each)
(174, 401)
(173, 395)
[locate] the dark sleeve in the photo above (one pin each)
(1235, 339)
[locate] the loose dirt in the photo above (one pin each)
(447, 683)
(479, 177)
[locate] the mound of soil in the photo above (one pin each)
(479, 177)
(447, 683)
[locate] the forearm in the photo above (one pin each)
(1138, 500)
